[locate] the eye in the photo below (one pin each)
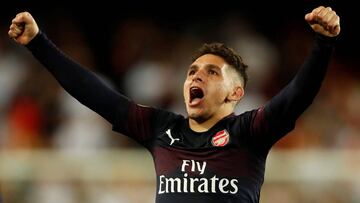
(191, 72)
(212, 72)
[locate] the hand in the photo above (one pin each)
(23, 28)
(324, 21)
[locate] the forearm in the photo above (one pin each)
(81, 83)
(293, 100)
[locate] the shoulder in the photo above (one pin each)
(162, 118)
(249, 115)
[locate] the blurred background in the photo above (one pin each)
(53, 149)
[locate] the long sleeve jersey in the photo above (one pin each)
(225, 163)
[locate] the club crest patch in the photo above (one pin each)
(220, 139)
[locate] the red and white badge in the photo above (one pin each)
(220, 139)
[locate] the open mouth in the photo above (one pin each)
(196, 94)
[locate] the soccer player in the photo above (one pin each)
(212, 155)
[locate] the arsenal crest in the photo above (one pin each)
(220, 139)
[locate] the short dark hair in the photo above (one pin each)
(228, 54)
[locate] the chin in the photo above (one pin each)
(199, 118)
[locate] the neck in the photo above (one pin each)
(204, 126)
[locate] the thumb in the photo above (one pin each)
(22, 18)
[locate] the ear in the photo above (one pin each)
(236, 94)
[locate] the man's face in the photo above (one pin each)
(206, 87)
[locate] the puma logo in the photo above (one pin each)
(168, 132)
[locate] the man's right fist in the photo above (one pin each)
(23, 28)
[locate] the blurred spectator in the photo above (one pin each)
(80, 129)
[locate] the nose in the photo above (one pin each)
(198, 76)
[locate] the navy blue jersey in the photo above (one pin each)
(225, 163)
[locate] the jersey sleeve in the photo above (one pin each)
(136, 121)
(278, 117)
(78, 81)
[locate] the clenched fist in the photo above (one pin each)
(23, 28)
(324, 20)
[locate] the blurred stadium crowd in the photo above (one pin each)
(145, 57)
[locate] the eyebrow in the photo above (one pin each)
(192, 67)
(211, 66)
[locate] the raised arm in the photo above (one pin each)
(282, 111)
(81, 83)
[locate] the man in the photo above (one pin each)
(212, 155)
